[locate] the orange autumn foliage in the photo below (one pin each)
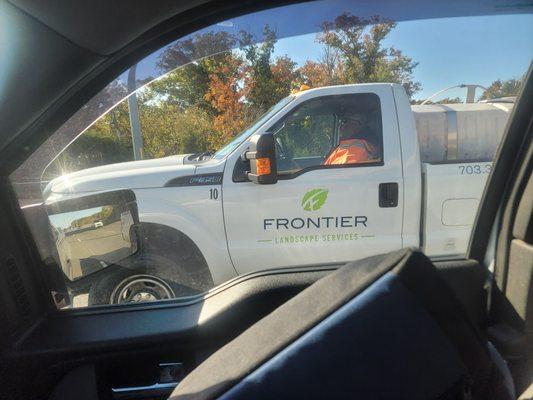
(225, 97)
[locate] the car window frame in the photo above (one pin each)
(301, 100)
(322, 167)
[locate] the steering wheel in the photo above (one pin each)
(285, 159)
(280, 149)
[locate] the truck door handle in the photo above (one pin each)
(388, 194)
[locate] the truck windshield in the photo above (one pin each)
(227, 149)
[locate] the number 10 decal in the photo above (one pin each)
(213, 194)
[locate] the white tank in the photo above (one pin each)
(460, 132)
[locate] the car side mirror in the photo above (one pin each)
(94, 231)
(262, 157)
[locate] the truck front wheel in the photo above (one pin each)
(141, 288)
(136, 282)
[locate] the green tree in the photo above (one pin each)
(327, 71)
(262, 90)
(188, 64)
(92, 149)
(502, 88)
(354, 53)
(284, 74)
(167, 131)
(106, 141)
(207, 44)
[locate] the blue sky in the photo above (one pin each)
(449, 50)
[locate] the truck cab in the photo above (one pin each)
(358, 208)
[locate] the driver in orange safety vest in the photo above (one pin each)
(354, 146)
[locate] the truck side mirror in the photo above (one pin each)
(94, 231)
(262, 156)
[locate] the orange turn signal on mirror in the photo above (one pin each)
(263, 166)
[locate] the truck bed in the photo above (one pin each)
(450, 197)
(460, 131)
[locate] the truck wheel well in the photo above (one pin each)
(164, 241)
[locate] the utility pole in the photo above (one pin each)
(133, 107)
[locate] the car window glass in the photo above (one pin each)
(330, 131)
(240, 138)
(145, 193)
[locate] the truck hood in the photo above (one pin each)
(127, 175)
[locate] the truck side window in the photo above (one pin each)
(330, 131)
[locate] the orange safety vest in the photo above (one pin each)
(351, 151)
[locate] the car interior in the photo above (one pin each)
(334, 112)
(397, 325)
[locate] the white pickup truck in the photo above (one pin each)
(422, 189)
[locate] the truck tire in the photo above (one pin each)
(187, 266)
(142, 279)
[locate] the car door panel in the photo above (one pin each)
(269, 225)
(351, 223)
(140, 338)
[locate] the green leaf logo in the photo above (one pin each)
(314, 199)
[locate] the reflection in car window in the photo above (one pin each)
(145, 191)
(240, 138)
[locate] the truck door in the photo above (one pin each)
(339, 194)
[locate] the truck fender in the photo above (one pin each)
(167, 209)
(189, 265)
